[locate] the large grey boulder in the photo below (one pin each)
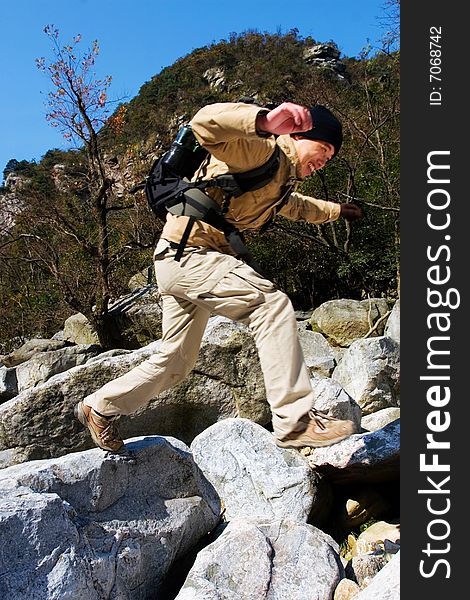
(370, 373)
(45, 365)
(362, 457)
(39, 422)
(343, 321)
(226, 382)
(333, 400)
(385, 585)
(253, 477)
(135, 320)
(77, 330)
(94, 525)
(259, 560)
(30, 348)
(318, 354)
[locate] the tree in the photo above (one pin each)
(390, 22)
(77, 232)
(22, 167)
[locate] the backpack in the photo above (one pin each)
(168, 189)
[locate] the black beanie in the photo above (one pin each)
(326, 127)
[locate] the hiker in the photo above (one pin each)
(208, 277)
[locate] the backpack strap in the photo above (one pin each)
(184, 239)
(197, 205)
(257, 178)
(237, 184)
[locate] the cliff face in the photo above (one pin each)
(10, 201)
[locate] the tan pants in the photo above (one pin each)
(205, 282)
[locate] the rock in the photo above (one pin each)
(228, 355)
(391, 547)
(111, 354)
(215, 77)
(319, 357)
(13, 456)
(303, 318)
(141, 279)
(379, 419)
(253, 477)
(30, 348)
(325, 56)
(8, 383)
(343, 321)
(226, 382)
(386, 584)
(78, 330)
(364, 567)
(338, 353)
(332, 399)
(43, 366)
(367, 457)
(346, 589)
(258, 559)
(94, 525)
(370, 373)
(362, 504)
(392, 329)
(321, 51)
(11, 202)
(373, 537)
(138, 317)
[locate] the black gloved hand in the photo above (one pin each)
(351, 211)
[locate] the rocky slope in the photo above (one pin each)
(223, 513)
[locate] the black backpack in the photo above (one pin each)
(168, 188)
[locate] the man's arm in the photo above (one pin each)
(229, 132)
(312, 210)
(284, 119)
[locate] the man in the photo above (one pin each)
(210, 279)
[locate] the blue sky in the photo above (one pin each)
(138, 38)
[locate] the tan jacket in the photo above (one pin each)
(228, 132)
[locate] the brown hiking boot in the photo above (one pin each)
(103, 429)
(321, 430)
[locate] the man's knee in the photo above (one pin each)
(277, 306)
(281, 303)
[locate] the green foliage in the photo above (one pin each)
(22, 167)
(268, 65)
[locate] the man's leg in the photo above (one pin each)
(183, 327)
(243, 295)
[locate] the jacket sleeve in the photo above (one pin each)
(305, 208)
(228, 131)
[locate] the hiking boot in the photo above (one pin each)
(321, 430)
(103, 430)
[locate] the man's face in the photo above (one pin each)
(313, 154)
